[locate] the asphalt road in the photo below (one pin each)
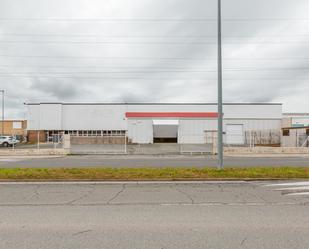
(151, 161)
(154, 215)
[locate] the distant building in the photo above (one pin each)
(147, 123)
(295, 130)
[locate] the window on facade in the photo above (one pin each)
(307, 132)
(17, 125)
(286, 132)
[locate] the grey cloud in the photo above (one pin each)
(58, 89)
(153, 86)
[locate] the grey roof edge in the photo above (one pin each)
(132, 103)
(295, 128)
(295, 113)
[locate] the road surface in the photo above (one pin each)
(152, 161)
(196, 215)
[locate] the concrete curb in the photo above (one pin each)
(180, 180)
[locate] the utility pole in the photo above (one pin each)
(2, 126)
(220, 111)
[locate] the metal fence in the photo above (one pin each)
(295, 140)
(262, 138)
(198, 143)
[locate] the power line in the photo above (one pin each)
(151, 36)
(166, 69)
(100, 57)
(151, 58)
(109, 42)
(112, 36)
(108, 19)
(159, 71)
(144, 78)
(91, 78)
(157, 42)
(40, 19)
(110, 72)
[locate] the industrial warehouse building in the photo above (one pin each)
(147, 123)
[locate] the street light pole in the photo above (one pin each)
(220, 111)
(2, 126)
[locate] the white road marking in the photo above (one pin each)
(299, 193)
(9, 160)
(291, 188)
(294, 188)
(288, 184)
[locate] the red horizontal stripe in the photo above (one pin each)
(171, 114)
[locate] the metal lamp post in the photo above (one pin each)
(220, 111)
(2, 126)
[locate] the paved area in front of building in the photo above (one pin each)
(137, 149)
(154, 215)
(136, 161)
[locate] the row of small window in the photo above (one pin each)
(90, 133)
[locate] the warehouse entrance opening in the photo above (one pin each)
(165, 131)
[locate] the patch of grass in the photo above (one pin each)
(151, 173)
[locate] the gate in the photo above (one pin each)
(198, 144)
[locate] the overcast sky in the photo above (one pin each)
(153, 51)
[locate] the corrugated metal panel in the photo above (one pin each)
(165, 131)
(50, 117)
(193, 130)
(140, 131)
(255, 124)
(171, 114)
(93, 117)
(33, 117)
(234, 134)
(112, 116)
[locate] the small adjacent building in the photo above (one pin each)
(16, 128)
(295, 130)
(146, 123)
